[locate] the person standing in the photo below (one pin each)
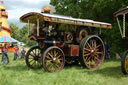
(23, 53)
(107, 51)
(15, 53)
(5, 55)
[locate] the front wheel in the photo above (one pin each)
(124, 63)
(53, 59)
(33, 58)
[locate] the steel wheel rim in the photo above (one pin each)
(93, 52)
(126, 63)
(34, 59)
(53, 60)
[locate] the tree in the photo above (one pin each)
(24, 35)
(99, 10)
(15, 31)
(21, 34)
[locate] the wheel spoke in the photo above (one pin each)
(40, 60)
(58, 62)
(55, 53)
(58, 56)
(88, 45)
(89, 62)
(96, 50)
(88, 59)
(54, 68)
(86, 49)
(49, 61)
(95, 44)
(51, 65)
(30, 58)
(31, 61)
(38, 52)
(50, 55)
(48, 58)
(99, 52)
(35, 52)
(94, 59)
(36, 64)
(59, 59)
(87, 54)
(32, 55)
(47, 64)
(57, 65)
(98, 46)
(97, 58)
(93, 62)
(92, 44)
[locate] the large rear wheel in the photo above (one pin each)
(91, 52)
(124, 63)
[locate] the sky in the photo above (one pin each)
(16, 8)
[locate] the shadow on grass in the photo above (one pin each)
(80, 66)
(112, 59)
(16, 68)
(108, 71)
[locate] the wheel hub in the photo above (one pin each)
(36, 58)
(92, 51)
(54, 60)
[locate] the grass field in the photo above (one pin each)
(17, 73)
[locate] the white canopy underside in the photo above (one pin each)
(74, 19)
(32, 16)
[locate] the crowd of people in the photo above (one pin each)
(17, 54)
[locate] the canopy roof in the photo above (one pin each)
(32, 17)
(6, 38)
(121, 12)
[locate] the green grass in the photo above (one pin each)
(17, 73)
